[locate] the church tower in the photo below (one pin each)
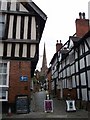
(44, 63)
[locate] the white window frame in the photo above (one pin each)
(7, 82)
(6, 99)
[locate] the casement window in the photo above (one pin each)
(2, 25)
(3, 95)
(3, 73)
(4, 80)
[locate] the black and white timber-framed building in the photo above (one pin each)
(71, 65)
(21, 28)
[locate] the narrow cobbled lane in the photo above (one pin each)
(37, 101)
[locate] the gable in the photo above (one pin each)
(71, 44)
(22, 6)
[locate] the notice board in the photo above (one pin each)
(22, 104)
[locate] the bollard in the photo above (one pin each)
(9, 111)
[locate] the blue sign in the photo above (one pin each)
(23, 78)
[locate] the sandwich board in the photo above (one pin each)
(48, 105)
(70, 105)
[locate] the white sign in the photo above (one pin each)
(70, 105)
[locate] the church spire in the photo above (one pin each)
(44, 62)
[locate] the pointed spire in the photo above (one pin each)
(44, 62)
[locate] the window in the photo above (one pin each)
(3, 73)
(3, 95)
(4, 80)
(2, 25)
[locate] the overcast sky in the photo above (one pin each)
(60, 23)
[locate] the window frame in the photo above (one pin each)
(6, 97)
(7, 82)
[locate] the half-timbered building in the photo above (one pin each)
(21, 28)
(74, 67)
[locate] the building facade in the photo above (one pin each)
(73, 61)
(21, 28)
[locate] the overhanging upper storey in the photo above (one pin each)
(21, 26)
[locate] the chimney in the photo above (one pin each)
(58, 46)
(82, 25)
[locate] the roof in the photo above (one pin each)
(35, 8)
(38, 10)
(54, 57)
(87, 35)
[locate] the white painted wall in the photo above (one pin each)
(82, 63)
(1, 49)
(84, 94)
(83, 78)
(10, 32)
(88, 78)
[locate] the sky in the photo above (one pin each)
(60, 23)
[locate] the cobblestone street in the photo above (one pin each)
(59, 109)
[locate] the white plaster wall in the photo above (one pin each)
(84, 94)
(82, 64)
(73, 82)
(83, 79)
(88, 78)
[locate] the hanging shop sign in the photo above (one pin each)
(70, 105)
(48, 105)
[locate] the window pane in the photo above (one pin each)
(1, 64)
(3, 94)
(2, 25)
(4, 78)
(3, 73)
(0, 94)
(0, 70)
(4, 70)
(0, 79)
(5, 65)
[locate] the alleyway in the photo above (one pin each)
(59, 109)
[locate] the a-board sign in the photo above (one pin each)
(70, 105)
(22, 104)
(48, 105)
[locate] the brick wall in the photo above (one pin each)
(49, 81)
(16, 87)
(72, 93)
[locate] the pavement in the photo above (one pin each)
(59, 109)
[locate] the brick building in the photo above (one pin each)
(21, 28)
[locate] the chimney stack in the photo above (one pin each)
(82, 25)
(58, 45)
